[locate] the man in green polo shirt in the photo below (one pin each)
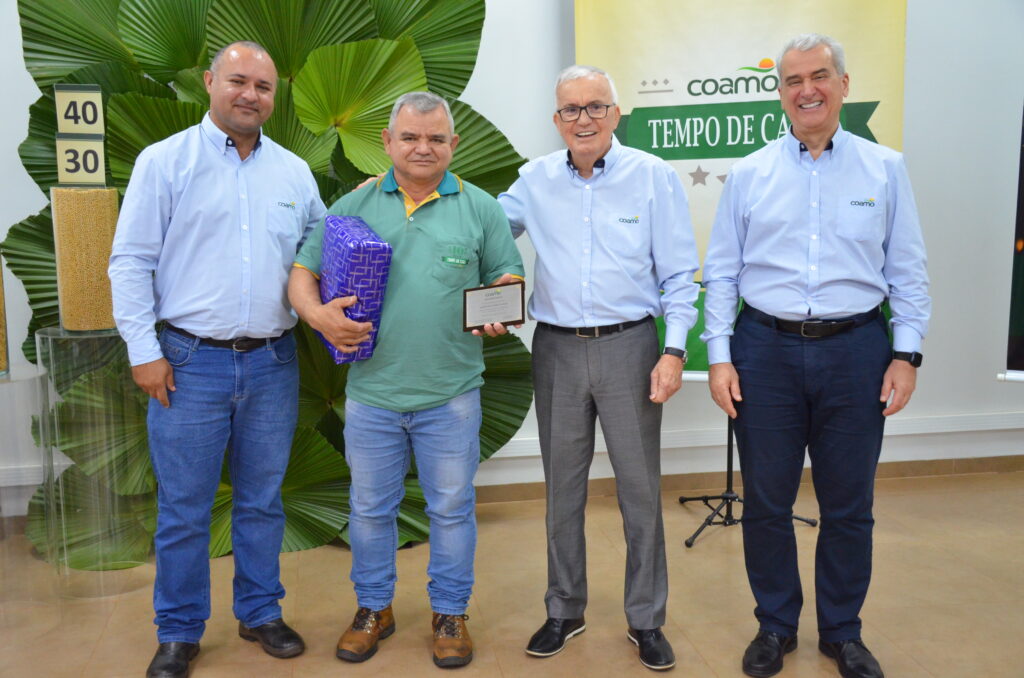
(420, 392)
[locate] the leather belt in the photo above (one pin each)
(814, 328)
(594, 332)
(239, 344)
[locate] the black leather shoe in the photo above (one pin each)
(854, 660)
(276, 638)
(655, 651)
(551, 637)
(764, 655)
(172, 660)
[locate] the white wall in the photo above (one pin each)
(961, 140)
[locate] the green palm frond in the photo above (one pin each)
(284, 128)
(352, 87)
(165, 37)
(28, 250)
(507, 392)
(62, 36)
(484, 156)
(95, 529)
(289, 29)
(447, 34)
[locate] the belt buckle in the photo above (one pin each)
(234, 344)
(595, 335)
(804, 334)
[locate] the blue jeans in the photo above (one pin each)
(818, 396)
(246, 403)
(446, 442)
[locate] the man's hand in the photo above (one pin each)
(898, 383)
(666, 378)
(494, 329)
(344, 333)
(724, 382)
(156, 378)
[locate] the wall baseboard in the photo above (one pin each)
(714, 481)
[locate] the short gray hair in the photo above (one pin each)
(577, 71)
(422, 102)
(249, 44)
(808, 41)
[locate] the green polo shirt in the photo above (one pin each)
(460, 239)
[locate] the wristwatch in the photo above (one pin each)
(914, 358)
(677, 352)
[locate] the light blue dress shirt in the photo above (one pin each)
(205, 240)
(800, 238)
(609, 245)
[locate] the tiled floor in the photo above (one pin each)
(947, 599)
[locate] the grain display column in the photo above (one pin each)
(84, 220)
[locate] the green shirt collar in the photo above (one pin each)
(450, 183)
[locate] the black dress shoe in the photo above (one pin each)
(276, 638)
(764, 655)
(854, 660)
(655, 651)
(172, 660)
(551, 637)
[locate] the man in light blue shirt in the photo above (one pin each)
(615, 249)
(211, 222)
(813, 232)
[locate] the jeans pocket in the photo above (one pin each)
(177, 350)
(284, 349)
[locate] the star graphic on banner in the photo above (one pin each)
(721, 177)
(699, 176)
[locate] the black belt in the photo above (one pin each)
(594, 332)
(814, 328)
(240, 344)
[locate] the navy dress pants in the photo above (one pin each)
(819, 395)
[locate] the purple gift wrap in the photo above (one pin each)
(354, 260)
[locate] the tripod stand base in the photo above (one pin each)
(725, 500)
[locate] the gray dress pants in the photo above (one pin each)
(576, 380)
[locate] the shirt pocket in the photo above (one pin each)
(456, 263)
(862, 220)
(285, 219)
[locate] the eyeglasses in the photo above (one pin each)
(594, 112)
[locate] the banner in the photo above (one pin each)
(697, 83)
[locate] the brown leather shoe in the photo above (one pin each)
(452, 644)
(359, 642)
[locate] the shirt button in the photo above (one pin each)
(585, 283)
(814, 236)
(241, 195)
(245, 227)
(814, 268)
(814, 204)
(412, 219)
(814, 173)
(586, 250)
(586, 219)
(587, 187)
(245, 291)
(245, 259)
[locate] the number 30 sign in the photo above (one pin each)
(80, 158)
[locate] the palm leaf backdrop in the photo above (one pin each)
(341, 65)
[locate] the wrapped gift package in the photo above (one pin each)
(355, 261)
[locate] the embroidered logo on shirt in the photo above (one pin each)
(629, 220)
(289, 205)
(870, 202)
(455, 261)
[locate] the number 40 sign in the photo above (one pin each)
(80, 158)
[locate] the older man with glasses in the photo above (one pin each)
(615, 249)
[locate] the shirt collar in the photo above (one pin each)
(221, 141)
(605, 162)
(796, 147)
(450, 183)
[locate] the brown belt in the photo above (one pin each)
(240, 344)
(594, 332)
(813, 328)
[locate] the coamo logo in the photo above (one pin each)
(629, 220)
(870, 202)
(765, 82)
